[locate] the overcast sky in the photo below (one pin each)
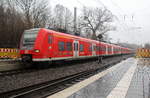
(128, 30)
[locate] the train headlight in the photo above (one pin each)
(36, 50)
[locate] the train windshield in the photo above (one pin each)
(29, 37)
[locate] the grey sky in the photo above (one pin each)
(128, 29)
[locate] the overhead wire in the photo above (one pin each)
(131, 21)
(124, 26)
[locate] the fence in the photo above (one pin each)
(143, 53)
(11, 53)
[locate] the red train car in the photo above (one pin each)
(41, 44)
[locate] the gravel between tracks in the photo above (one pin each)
(11, 82)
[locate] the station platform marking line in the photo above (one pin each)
(73, 89)
(122, 87)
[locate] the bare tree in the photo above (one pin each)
(58, 14)
(18, 15)
(11, 26)
(68, 20)
(97, 19)
(62, 18)
(35, 12)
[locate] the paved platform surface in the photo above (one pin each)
(128, 79)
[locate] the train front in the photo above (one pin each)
(27, 44)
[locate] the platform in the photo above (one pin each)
(128, 79)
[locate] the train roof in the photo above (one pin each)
(70, 36)
(76, 37)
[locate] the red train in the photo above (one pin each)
(41, 44)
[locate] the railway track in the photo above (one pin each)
(14, 72)
(34, 67)
(51, 87)
(30, 88)
(22, 70)
(19, 68)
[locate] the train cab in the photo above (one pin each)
(31, 45)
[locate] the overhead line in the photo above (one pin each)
(99, 1)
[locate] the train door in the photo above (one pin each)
(50, 43)
(112, 50)
(106, 49)
(94, 49)
(76, 48)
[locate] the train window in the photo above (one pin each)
(97, 48)
(81, 48)
(50, 39)
(103, 48)
(90, 48)
(29, 37)
(115, 49)
(61, 46)
(109, 49)
(69, 46)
